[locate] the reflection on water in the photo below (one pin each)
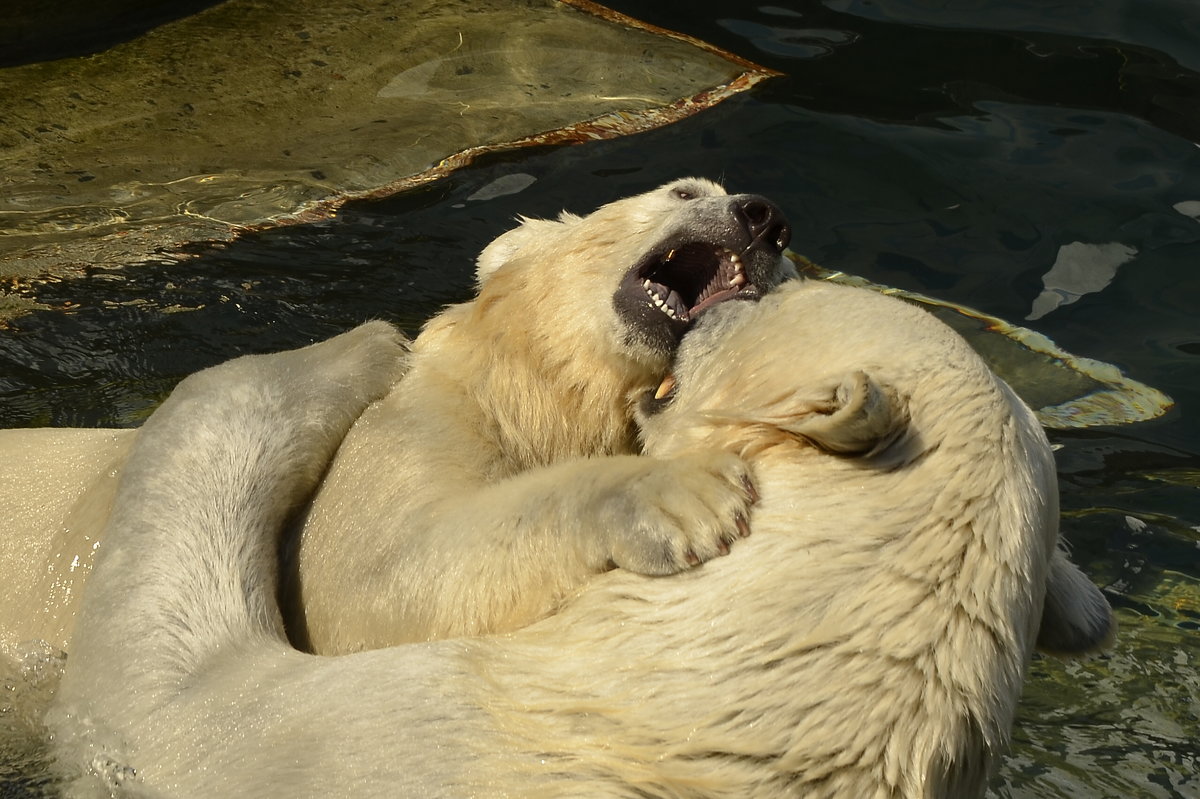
(1123, 725)
(954, 152)
(28, 676)
(1138, 740)
(1063, 390)
(1079, 269)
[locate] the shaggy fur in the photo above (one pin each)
(500, 474)
(514, 426)
(869, 640)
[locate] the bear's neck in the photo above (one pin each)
(543, 411)
(539, 405)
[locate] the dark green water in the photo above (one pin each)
(946, 148)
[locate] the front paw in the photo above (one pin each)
(681, 512)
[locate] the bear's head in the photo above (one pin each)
(888, 408)
(788, 369)
(635, 274)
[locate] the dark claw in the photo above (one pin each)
(750, 490)
(743, 526)
(691, 558)
(723, 547)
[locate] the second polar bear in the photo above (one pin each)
(869, 640)
(500, 473)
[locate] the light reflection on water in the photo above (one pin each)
(892, 166)
(28, 676)
(1123, 725)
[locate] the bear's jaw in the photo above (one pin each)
(713, 250)
(662, 295)
(691, 277)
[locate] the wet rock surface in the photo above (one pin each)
(250, 113)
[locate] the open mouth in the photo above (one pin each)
(691, 277)
(716, 249)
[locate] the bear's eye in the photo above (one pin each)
(683, 194)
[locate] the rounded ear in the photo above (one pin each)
(1076, 618)
(506, 245)
(862, 416)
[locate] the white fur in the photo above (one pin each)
(512, 435)
(500, 475)
(869, 640)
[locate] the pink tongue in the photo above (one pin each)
(713, 299)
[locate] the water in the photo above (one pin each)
(950, 151)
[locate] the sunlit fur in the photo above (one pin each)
(868, 640)
(530, 380)
(499, 475)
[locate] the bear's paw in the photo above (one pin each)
(683, 511)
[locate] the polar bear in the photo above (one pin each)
(870, 638)
(58, 488)
(512, 433)
(501, 473)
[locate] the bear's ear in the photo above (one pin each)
(861, 416)
(507, 245)
(1076, 618)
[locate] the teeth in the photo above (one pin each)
(739, 276)
(659, 302)
(665, 387)
(734, 267)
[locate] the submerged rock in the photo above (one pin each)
(250, 114)
(1065, 390)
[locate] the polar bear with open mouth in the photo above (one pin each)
(870, 639)
(501, 472)
(511, 434)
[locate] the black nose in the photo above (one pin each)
(762, 219)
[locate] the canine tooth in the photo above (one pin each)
(737, 279)
(646, 284)
(665, 387)
(670, 255)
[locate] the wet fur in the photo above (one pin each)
(501, 474)
(519, 399)
(869, 640)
